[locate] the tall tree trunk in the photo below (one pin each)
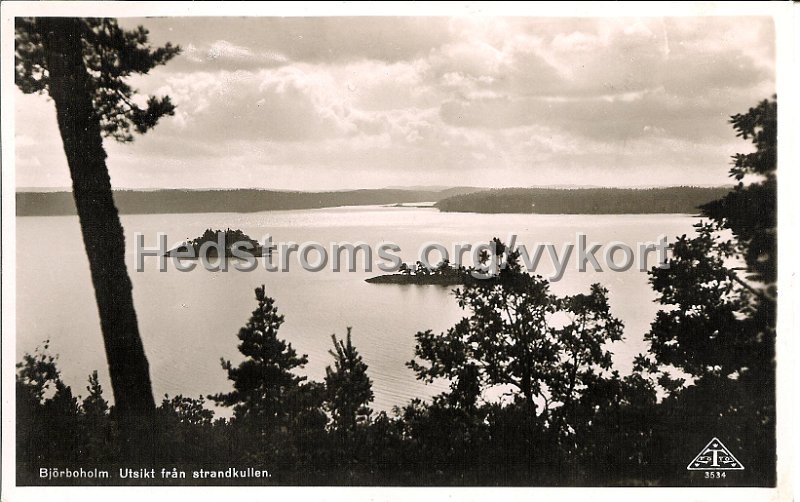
(102, 231)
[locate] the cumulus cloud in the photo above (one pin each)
(350, 102)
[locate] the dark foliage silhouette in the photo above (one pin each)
(534, 397)
(719, 327)
(82, 65)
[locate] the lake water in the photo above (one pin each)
(188, 320)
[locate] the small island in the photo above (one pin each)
(226, 238)
(444, 274)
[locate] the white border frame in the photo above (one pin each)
(787, 44)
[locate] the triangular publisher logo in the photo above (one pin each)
(715, 457)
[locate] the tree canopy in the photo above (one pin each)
(262, 381)
(349, 388)
(110, 54)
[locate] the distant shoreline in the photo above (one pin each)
(596, 201)
(176, 201)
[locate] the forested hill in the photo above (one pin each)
(584, 200)
(459, 199)
(237, 201)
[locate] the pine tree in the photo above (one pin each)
(98, 430)
(82, 64)
(94, 404)
(264, 381)
(347, 385)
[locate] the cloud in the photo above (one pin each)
(345, 102)
(224, 55)
(611, 80)
(305, 39)
(613, 118)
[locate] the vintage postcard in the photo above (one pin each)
(397, 251)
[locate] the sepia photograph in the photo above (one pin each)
(413, 247)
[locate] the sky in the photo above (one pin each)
(369, 102)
